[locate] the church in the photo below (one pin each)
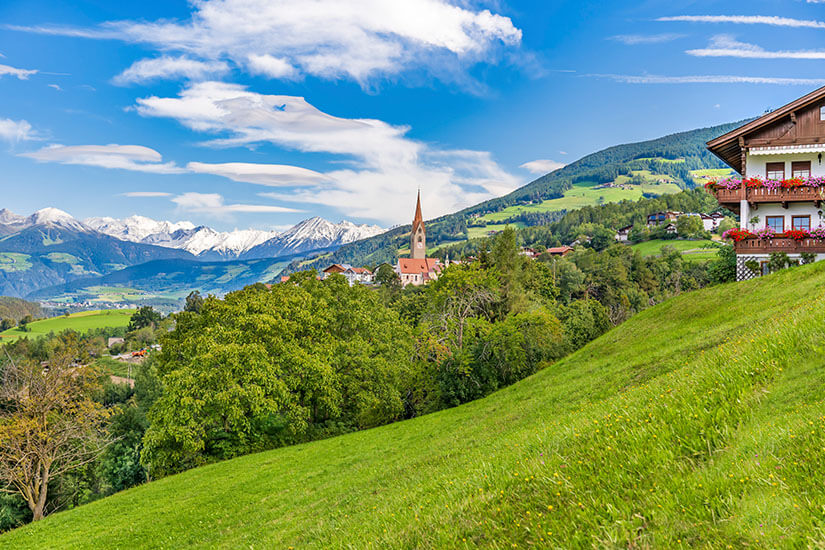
(418, 269)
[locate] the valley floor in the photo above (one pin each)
(697, 423)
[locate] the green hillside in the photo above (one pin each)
(678, 161)
(16, 308)
(697, 423)
(81, 322)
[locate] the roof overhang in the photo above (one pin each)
(729, 147)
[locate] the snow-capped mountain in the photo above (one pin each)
(205, 242)
(198, 240)
(312, 234)
(48, 217)
(136, 228)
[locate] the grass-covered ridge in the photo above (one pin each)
(80, 322)
(699, 423)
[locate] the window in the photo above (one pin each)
(777, 223)
(822, 113)
(801, 222)
(801, 169)
(775, 170)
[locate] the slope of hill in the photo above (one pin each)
(16, 308)
(697, 423)
(675, 158)
(164, 280)
(51, 247)
(80, 322)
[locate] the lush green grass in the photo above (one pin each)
(693, 249)
(698, 423)
(81, 322)
(585, 194)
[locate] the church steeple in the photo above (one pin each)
(418, 236)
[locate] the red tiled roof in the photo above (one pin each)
(337, 268)
(559, 249)
(361, 270)
(412, 266)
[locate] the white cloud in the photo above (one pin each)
(724, 45)
(710, 79)
(358, 39)
(273, 67)
(384, 167)
(634, 39)
(22, 74)
(124, 157)
(146, 194)
(213, 203)
(274, 175)
(166, 67)
(542, 166)
(749, 20)
(16, 130)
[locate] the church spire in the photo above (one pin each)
(418, 235)
(418, 219)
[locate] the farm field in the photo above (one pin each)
(81, 322)
(13, 261)
(697, 423)
(693, 250)
(586, 194)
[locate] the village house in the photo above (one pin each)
(418, 269)
(560, 250)
(352, 274)
(779, 195)
(623, 233)
(710, 222)
(662, 218)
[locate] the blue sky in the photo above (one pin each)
(260, 113)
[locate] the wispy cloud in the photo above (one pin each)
(710, 79)
(213, 203)
(273, 175)
(724, 45)
(55, 86)
(124, 157)
(146, 194)
(542, 166)
(749, 20)
(383, 167)
(22, 74)
(634, 39)
(16, 130)
(328, 39)
(166, 67)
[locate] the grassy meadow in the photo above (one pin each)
(692, 250)
(81, 322)
(699, 423)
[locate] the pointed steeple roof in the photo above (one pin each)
(418, 219)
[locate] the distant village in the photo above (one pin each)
(418, 269)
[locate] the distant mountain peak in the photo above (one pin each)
(55, 217)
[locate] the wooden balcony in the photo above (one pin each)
(730, 197)
(782, 244)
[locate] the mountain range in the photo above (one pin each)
(50, 248)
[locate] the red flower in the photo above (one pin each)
(797, 234)
(737, 234)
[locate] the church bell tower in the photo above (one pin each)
(418, 236)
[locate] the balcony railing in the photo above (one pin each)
(780, 244)
(764, 194)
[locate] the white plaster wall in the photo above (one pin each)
(755, 164)
(794, 209)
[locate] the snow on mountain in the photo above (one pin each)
(136, 228)
(312, 234)
(204, 241)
